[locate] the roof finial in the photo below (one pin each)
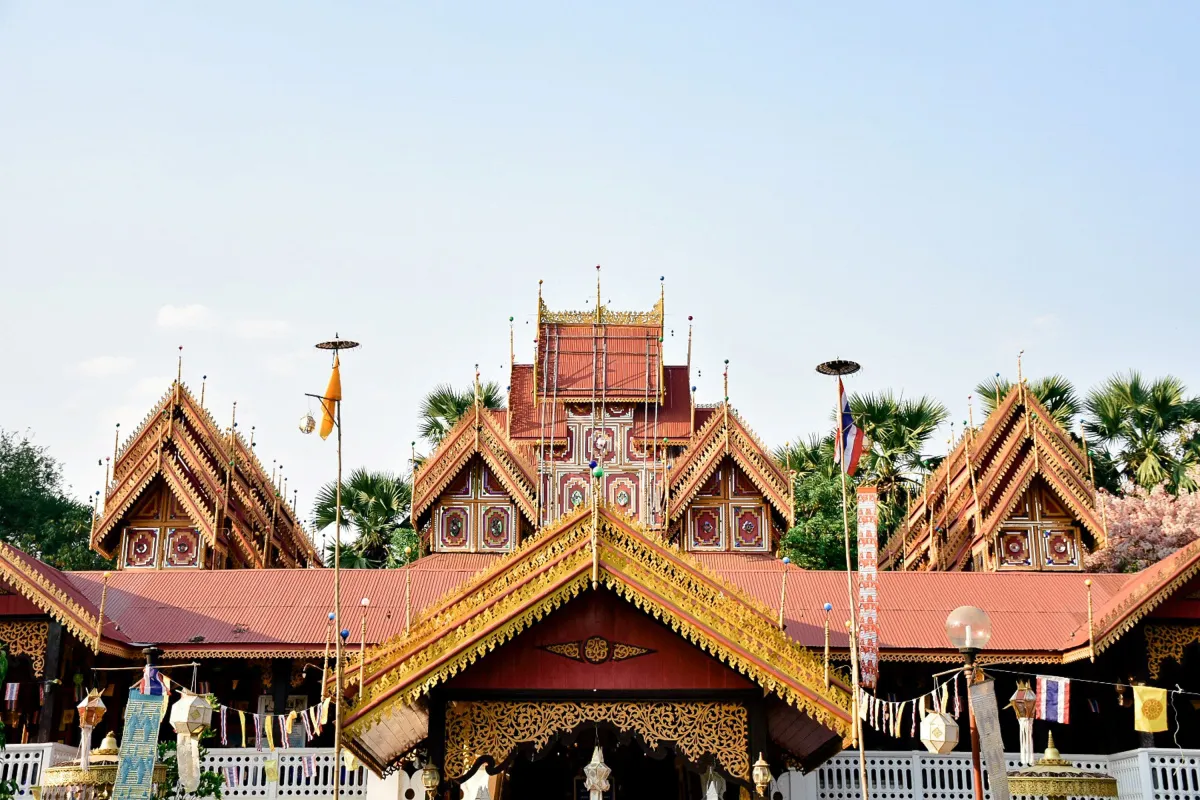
(512, 358)
(478, 391)
(179, 366)
(689, 359)
(598, 318)
(1020, 377)
(727, 381)
(203, 383)
(116, 444)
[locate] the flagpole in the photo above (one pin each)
(839, 368)
(336, 345)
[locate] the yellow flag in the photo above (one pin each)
(333, 393)
(242, 721)
(272, 770)
(269, 724)
(1149, 709)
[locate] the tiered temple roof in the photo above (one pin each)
(978, 492)
(204, 479)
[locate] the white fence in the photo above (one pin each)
(246, 773)
(1149, 774)
(1157, 774)
(23, 763)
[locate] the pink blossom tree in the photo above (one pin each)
(1145, 527)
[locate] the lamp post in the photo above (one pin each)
(969, 630)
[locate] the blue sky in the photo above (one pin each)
(927, 188)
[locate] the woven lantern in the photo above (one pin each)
(91, 711)
(1024, 705)
(939, 732)
(190, 716)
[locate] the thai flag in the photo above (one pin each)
(1054, 699)
(848, 443)
(152, 681)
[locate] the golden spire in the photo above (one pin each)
(179, 366)
(598, 318)
(689, 357)
(116, 444)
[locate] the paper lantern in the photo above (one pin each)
(190, 716)
(939, 732)
(596, 775)
(1024, 705)
(91, 711)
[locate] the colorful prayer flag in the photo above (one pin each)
(1054, 699)
(1149, 709)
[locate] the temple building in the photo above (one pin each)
(598, 393)
(1014, 494)
(186, 494)
(598, 578)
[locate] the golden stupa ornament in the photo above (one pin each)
(69, 781)
(1057, 779)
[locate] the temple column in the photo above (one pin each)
(281, 676)
(54, 648)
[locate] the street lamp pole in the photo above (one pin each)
(969, 630)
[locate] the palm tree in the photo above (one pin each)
(445, 405)
(1056, 394)
(896, 431)
(1150, 428)
(375, 505)
(812, 456)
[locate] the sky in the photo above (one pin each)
(927, 188)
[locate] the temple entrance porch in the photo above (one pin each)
(654, 748)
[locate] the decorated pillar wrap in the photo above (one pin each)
(982, 697)
(139, 745)
(868, 586)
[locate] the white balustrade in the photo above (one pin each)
(24, 763)
(1151, 774)
(248, 770)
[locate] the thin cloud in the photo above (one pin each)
(189, 316)
(104, 366)
(260, 328)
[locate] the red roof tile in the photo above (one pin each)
(579, 362)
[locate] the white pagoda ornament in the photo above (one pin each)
(596, 774)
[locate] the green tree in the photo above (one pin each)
(817, 540)
(1056, 394)
(36, 513)
(1148, 428)
(375, 507)
(808, 456)
(445, 406)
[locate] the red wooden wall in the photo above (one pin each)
(675, 664)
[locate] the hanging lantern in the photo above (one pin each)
(762, 775)
(190, 716)
(1024, 705)
(939, 732)
(596, 774)
(712, 785)
(308, 423)
(91, 711)
(430, 779)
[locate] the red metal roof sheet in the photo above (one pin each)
(1030, 611)
(527, 422)
(674, 417)
(287, 608)
(619, 362)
